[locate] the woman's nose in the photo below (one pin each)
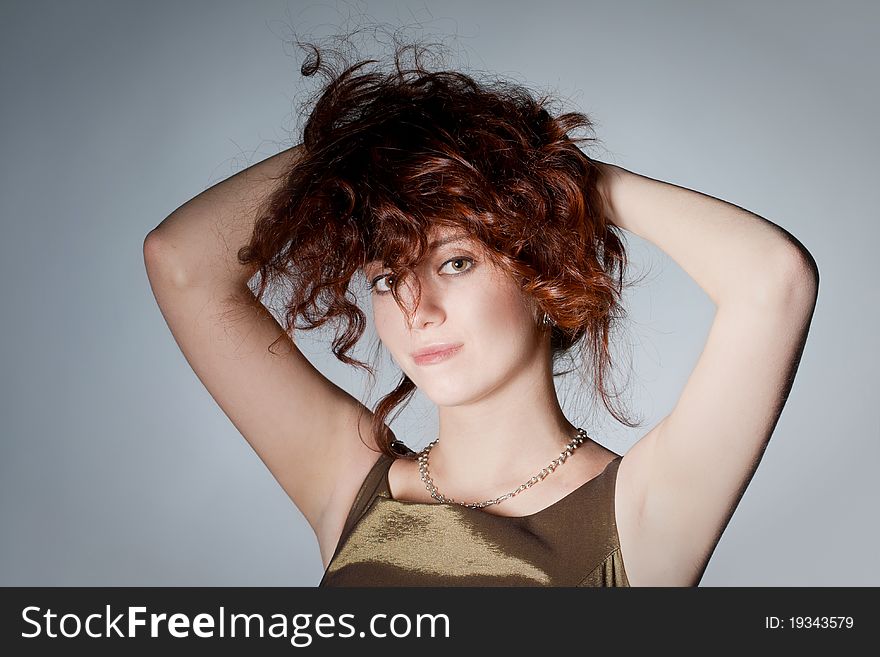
(427, 308)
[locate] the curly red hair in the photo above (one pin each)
(386, 157)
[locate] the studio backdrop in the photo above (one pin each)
(117, 468)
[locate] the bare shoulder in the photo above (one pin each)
(353, 464)
(648, 562)
(629, 492)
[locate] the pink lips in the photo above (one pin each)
(441, 353)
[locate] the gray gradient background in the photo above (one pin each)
(118, 468)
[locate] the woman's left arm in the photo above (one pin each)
(685, 478)
(733, 254)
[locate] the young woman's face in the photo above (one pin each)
(466, 301)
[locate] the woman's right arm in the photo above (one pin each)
(302, 426)
(199, 241)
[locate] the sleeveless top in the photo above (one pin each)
(389, 542)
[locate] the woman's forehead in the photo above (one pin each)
(437, 238)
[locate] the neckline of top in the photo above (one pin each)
(388, 496)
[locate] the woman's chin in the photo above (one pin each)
(443, 393)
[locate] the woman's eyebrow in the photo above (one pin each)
(446, 240)
(432, 246)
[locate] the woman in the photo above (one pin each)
(486, 235)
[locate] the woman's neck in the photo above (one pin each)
(501, 440)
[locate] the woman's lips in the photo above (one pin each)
(437, 356)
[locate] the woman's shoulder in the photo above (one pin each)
(358, 483)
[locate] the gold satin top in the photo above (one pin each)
(388, 542)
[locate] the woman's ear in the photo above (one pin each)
(536, 311)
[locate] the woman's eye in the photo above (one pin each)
(377, 281)
(459, 266)
(458, 261)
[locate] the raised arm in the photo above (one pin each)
(198, 242)
(303, 427)
(730, 252)
(681, 483)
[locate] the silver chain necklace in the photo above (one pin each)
(575, 442)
